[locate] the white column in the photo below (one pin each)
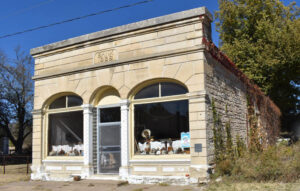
(124, 171)
(87, 139)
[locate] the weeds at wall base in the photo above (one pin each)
(256, 162)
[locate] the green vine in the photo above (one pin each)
(217, 135)
(254, 139)
(229, 145)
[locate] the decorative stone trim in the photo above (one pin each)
(87, 139)
(124, 170)
(135, 59)
(62, 161)
(173, 180)
(37, 112)
(144, 169)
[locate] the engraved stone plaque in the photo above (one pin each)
(105, 56)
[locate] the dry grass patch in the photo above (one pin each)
(8, 178)
(253, 186)
(14, 173)
(15, 169)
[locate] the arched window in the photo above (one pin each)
(65, 127)
(161, 120)
(66, 102)
(160, 90)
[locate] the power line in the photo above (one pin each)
(26, 9)
(76, 18)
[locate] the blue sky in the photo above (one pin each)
(19, 15)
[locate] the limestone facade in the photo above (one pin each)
(119, 62)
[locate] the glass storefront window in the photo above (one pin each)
(65, 127)
(65, 135)
(162, 128)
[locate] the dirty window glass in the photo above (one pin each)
(148, 92)
(112, 114)
(65, 135)
(168, 89)
(74, 101)
(58, 103)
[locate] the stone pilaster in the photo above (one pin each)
(198, 133)
(37, 130)
(124, 169)
(87, 140)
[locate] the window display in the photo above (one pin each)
(162, 128)
(65, 135)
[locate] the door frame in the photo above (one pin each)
(98, 133)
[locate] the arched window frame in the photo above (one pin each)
(48, 112)
(154, 100)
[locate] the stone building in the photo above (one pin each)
(134, 102)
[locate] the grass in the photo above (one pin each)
(14, 173)
(9, 178)
(15, 169)
(228, 185)
(277, 163)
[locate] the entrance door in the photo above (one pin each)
(109, 155)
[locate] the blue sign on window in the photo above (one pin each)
(185, 140)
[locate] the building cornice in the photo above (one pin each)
(123, 29)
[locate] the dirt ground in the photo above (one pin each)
(89, 185)
(19, 183)
(16, 179)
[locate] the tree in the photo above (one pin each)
(262, 37)
(16, 97)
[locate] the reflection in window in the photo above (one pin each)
(74, 101)
(162, 128)
(58, 103)
(112, 114)
(160, 89)
(65, 102)
(65, 134)
(148, 92)
(168, 89)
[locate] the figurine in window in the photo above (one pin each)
(61, 152)
(170, 147)
(163, 151)
(146, 134)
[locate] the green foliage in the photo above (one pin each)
(217, 134)
(229, 145)
(254, 144)
(263, 39)
(240, 146)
